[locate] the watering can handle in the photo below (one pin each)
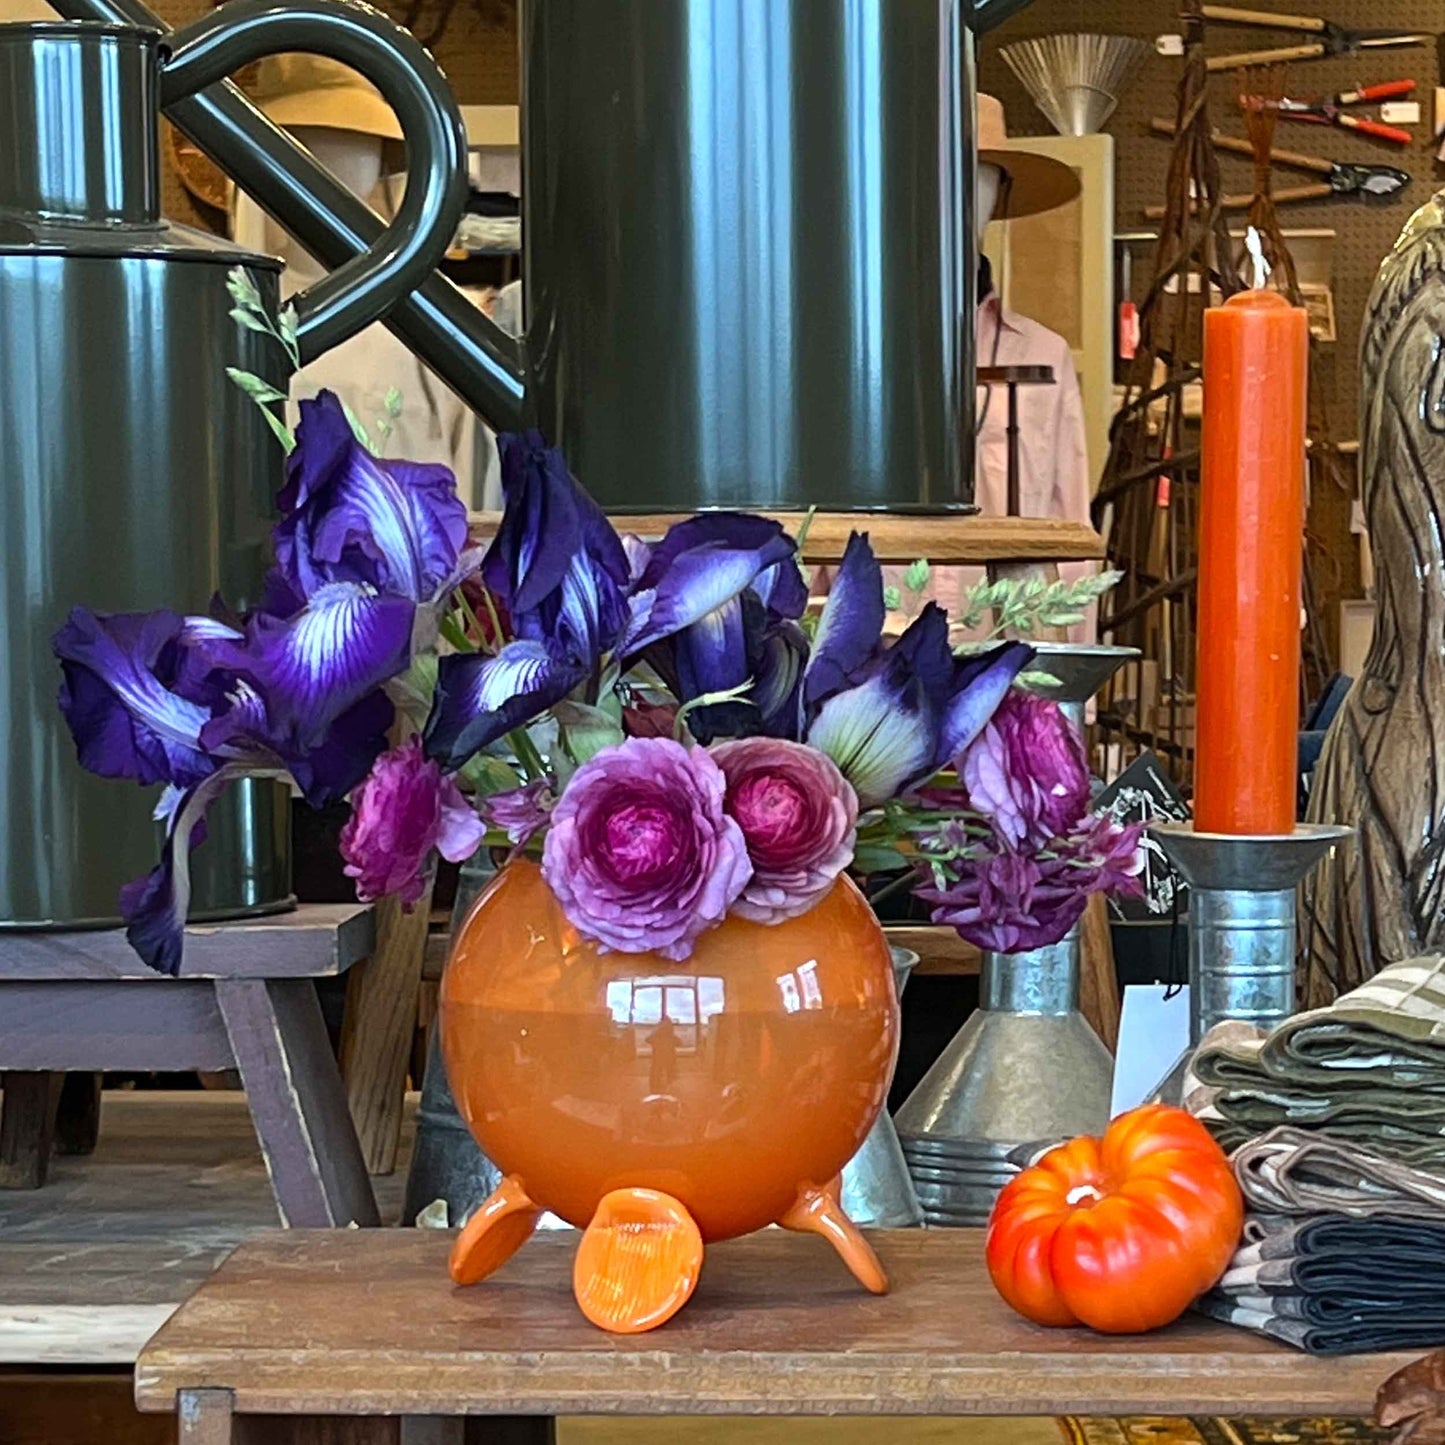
(410, 248)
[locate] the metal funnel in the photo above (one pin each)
(877, 1191)
(1082, 668)
(1025, 1069)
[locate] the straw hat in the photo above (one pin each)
(1036, 182)
(300, 90)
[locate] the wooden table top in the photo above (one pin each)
(367, 1322)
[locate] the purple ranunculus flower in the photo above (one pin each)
(521, 813)
(403, 811)
(1007, 901)
(797, 813)
(641, 854)
(348, 516)
(1026, 771)
(1003, 902)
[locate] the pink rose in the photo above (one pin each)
(403, 810)
(798, 814)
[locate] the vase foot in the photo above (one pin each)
(638, 1262)
(503, 1223)
(818, 1211)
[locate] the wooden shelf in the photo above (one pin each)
(902, 539)
(940, 950)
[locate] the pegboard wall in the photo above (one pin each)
(1363, 234)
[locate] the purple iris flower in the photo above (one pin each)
(561, 573)
(891, 718)
(193, 703)
(348, 516)
(716, 608)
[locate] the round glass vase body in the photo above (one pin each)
(733, 1081)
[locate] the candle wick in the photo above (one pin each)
(1254, 244)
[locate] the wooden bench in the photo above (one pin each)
(82, 1002)
(359, 1338)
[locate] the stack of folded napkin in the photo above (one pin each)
(1370, 1067)
(1336, 1123)
(1344, 1250)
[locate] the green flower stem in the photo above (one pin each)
(527, 754)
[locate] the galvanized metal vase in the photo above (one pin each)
(1026, 1069)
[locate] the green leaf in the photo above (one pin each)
(585, 730)
(915, 579)
(878, 858)
(413, 690)
(281, 431)
(288, 324)
(357, 430)
(257, 388)
(1038, 681)
(250, 321)
(484, 775)
(242, 288)
(892, 598)
(392, 402)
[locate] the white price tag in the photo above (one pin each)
(1153, 1034)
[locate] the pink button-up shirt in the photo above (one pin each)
(1054, 475)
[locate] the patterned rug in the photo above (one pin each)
(1160, 1430)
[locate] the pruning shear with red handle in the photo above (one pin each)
(1319, 38)
(1333, 112)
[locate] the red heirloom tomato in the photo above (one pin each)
(1120, 1233)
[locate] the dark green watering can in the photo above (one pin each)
(749, 247)
(135, 474)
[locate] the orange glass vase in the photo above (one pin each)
(661, 1106)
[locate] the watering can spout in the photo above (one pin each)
(481, 363)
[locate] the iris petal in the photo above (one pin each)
(851, 627)
(352, 517)
(480, 699)
(154, 907)
(979, 686)
(880, 736)
(696, 582)
(312, 667)
(126, 722)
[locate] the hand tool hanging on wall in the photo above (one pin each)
(1375, 183)
(1334, 112)
(1319, 38)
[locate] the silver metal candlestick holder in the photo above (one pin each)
(1243, 933)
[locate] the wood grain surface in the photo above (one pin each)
(902, 539)
(311, 941)
(367, 1322)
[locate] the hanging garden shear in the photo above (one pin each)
(1334, 112)
(1324, 37)
(1372, 183)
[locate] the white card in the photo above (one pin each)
(1153, 1034)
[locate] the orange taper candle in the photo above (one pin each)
(1251, 528)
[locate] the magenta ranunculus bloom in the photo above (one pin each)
(641, 854)
(520, 813)
(1026, 772)
(797, 813)
(403, 810)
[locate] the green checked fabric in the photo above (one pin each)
(1370, 1068)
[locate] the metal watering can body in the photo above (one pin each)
(750, 253)
(136, 474)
